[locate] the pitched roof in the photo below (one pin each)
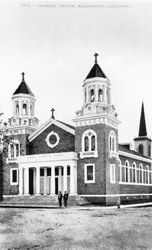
(133, 152)
(142, 125)
(23, 88)
(96, 71)
(51, 121)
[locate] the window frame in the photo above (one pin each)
(85, 173)
(11, 176)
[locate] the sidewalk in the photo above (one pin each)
(89, 207)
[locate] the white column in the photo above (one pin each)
(45, 183)
(60, 170)
(72, 180)
(75, 171)
(65, 178)
(53, 180)
(20, 181)
(37, 181)
(26, 181)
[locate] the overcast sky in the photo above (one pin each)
(55, 45)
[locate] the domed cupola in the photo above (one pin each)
(96, 92)
(23, 101)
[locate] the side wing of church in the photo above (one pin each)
(85, 159)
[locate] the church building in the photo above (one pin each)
(85, 159)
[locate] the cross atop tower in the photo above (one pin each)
(52, 111)
(96, 55)
(23, 76)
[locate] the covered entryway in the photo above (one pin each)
(48, 174)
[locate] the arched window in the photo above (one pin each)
(89, 141)
(127, 171)
(17, 150)
(140, 173)
(120, 169)
(17, 109)
(92, 143)
(112, 141)
(147, 175)
(150, 175)
(86, 143)
(134, 172)
(141, 149)
(92, 97)
(144, 174)
(12, 150)
(24, 109)
(100, 95)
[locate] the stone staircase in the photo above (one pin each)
(42, 201)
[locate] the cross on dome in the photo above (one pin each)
(96, 55)
(23, 76)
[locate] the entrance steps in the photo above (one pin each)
(48, 201)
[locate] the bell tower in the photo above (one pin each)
(23, 121)
(96, 137)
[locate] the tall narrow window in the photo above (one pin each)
(86, 143)
(134, 172)
(127, 171)
(140, 173)
(17, 150)
(92, 95)
(100, 95)
(144, 175)
(17, 109)
(141, 149)
(93, 143)
(12, 150)
(147, 175)
(24, 109)
(89, 173)
(149, 150)
(112, 141)
(14, 176)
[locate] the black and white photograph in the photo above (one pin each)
(75, 125)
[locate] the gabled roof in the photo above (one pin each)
(96, 71)
(142, 125)
(23, 88)
(51, 121)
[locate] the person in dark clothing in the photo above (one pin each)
(60, 198)
(65, 197)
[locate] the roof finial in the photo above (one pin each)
(52, 116)
(23, 76)
(96, 55)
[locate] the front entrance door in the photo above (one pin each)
(31, 183)
(56, 185)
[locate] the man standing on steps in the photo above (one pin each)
(65, 197)
(60, 198)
